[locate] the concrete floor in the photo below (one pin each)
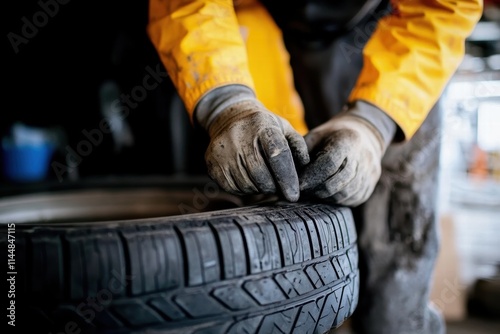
(474, 326)
(468, 326)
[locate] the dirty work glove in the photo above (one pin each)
(346, 154)
(251, 150)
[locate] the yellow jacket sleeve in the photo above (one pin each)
(200, 45)
(411, 56)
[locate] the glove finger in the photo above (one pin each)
(256, 172)
(343, 183)
(313, 139)
(327, 163)
(242, 177)
(223, 178)
(349, 196)
(362, 195)
(353, 201)
(297, 144)
(280, 161)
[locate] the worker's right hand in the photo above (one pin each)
(252, 151)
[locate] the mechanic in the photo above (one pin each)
(366, 77)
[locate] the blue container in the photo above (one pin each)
(25, 162)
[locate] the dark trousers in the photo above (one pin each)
(398, 240)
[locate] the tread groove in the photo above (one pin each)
(127, 260)
(66, 266)
(340, 228)
(309, 237)
(245, 246)
(218, 245)
(333, 227)
(278, 239)
(182, 243)
(318, 229)
(154, 246)
(345, 225)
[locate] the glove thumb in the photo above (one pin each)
(313, 139)
(296, 143)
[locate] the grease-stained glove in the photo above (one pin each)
(346, 154)
(252, 150)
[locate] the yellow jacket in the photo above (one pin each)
(205, 44)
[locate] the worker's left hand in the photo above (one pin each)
(346, 154)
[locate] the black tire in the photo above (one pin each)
(282, 268)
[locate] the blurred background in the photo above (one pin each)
(88, 97)
(74, 65)
(467, 278)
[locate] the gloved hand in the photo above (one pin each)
(252, 150)
(346, 154)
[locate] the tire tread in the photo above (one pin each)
(285, 269)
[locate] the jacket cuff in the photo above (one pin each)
(218, 99)
(377, 118)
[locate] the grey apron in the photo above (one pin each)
(397, 229)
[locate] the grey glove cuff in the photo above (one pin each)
(376, 117)
(210, 105)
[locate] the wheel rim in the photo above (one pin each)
(101, 204)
